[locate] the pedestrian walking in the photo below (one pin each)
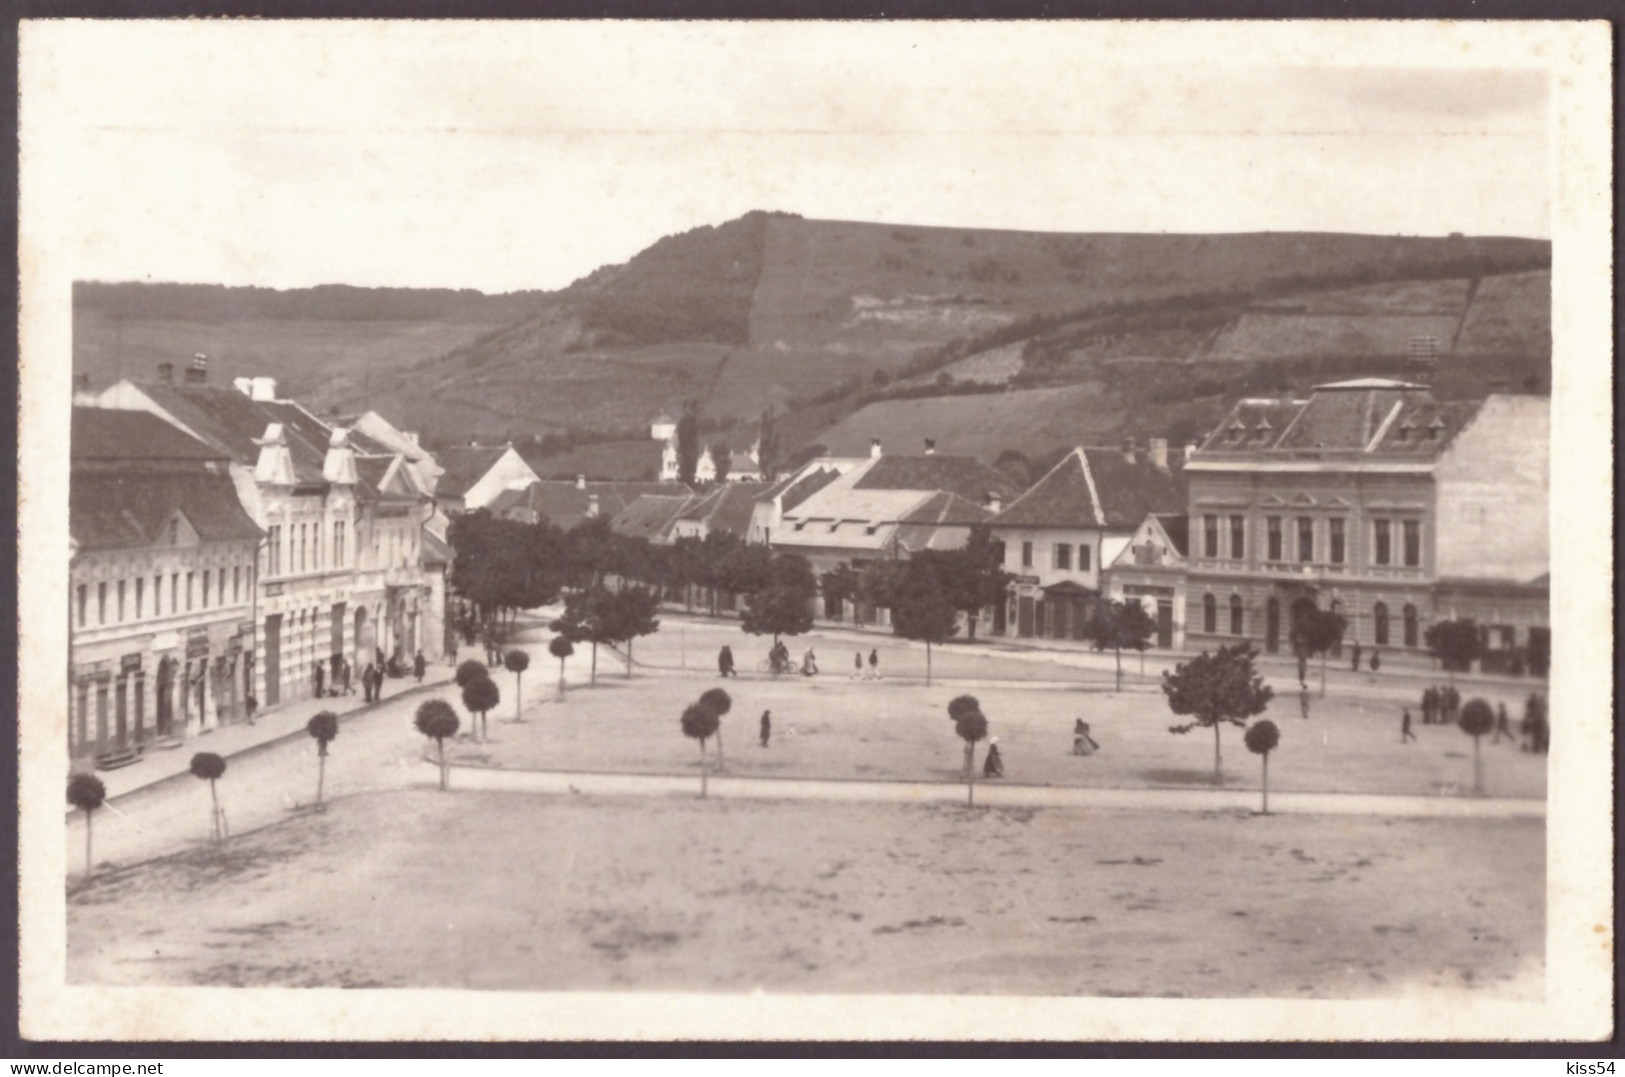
(253, 705)
(1501, 724)
(994, 766)
(1452, 704)
(344, 677)
(725, 662)
(366, 683)
(378, 685)
(1376, 661)
(451, 650)
(767, 727)
(874, 664)
(1430, 703)
(378, 660)
(1356, 657)
(1405, 733)
(317, 675)
(419, 667)
(1303, 702)
(857, 666)
(1303, 670)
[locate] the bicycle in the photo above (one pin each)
(766, 665)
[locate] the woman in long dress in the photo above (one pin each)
(1082, 742)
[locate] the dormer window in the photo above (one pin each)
(1435, 428)
(1237, 430)
(1263, 429)
(1406, 428)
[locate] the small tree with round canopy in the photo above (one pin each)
(971, 727)
(210, 767)
(561, 648)
(516, 663)
(469, 670)
(87, 793)
(1262, 738)
(1477, 718)
(480, 696)
(699, 722)
(436, 720)
(720, 703)
(324, 727)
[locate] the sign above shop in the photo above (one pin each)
(197, 645)
(129, 663)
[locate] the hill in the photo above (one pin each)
(816, 317)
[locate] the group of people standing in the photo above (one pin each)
(1442, 706)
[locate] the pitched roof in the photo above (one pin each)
(230, 421)
(963, 475)
(648, 517)
(798, 490)
(108, 434)
(726, 508)
(112, 510)
(1362, 416)
(433, 550)
(1097, 488)
(372, 473)
(466, 465)
(935, 523)
(1177, 528)
(565, 504)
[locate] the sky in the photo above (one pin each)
(525, 155)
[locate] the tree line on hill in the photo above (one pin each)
(332, 302)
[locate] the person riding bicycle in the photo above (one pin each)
(779, 657)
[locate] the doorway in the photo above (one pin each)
(1165, 624)
(1272, 625)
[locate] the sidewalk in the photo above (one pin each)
(989, 794)
(159, 764)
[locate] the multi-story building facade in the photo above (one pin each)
(1062, 532)
(162, 581)
(1150, 570)
(339, 571)
(1377, 500)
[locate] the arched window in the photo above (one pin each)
(1410, 625)
(1235, 615)
(1210, 614)
(1379, 624)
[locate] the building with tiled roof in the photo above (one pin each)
(791, 491)
(473, 475)
(650, 517)
(162, 579)
(726, 508)
(1150, 570)
(1377, 499)
(1060, 534)
(339, 578)
(566, 504)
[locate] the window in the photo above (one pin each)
(1382, 551)
(1083, 558)
(101, 603)
(316, 543)
(1210, 535)
(1273, 525)
(236, 583)
(157, 593)
(82, 602)
(220, 600)
(1210, 614)
(189, 576)
(174, 531)
(273, 550)
(1026, 555)
(1413, 542)
(1410, 625)
(207, 580)
(1238, 537)
(1337, 549)
(1235, 615)
(1379, 624)
(121, 600)
(1306, 538)
(301, 561)
(174, 592)
(1063, 556)
(140, 585)
(338, 543)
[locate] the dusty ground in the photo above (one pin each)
(834, 727)
(419, 888)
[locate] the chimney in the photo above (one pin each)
(581, 482)
(263, 389)
(1128, 448)
(874, 447)
(244, 386)
(994, 502)
(198, 372)
(1159, 452)
(592, 506)
(166, 373)
(930, 446)
(339, 466)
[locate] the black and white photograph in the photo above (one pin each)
(591, 530)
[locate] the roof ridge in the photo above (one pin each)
(1094, 494)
